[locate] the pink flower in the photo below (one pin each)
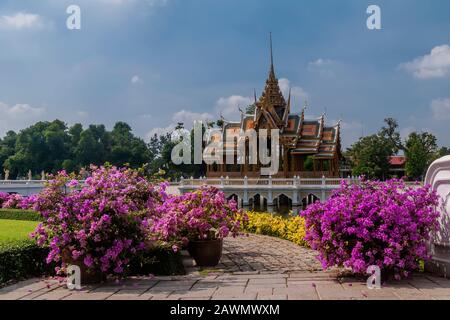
(376, 223)
(73, 183)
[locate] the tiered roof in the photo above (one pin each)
(300, 135)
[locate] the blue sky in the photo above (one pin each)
(153, 63)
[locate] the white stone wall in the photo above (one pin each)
(438, 176)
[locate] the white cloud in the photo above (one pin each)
(186, 117)
(82, 114)
(406, 131)
(159, 131)
(433, 65)
(351, 131)
(321, 62)
(18, 116)
(21, 20)
(19, 110)
(229, 107)
(135, 79)
(441, 109)
(296, 92)
(322, 66)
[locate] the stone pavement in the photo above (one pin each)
(252, 268)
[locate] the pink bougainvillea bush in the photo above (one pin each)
(3, 198)
(99, 224)
(16, 201)
(12, 201)
(376, 223)
(204, 214)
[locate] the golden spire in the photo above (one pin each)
(272, 69)
(272, 76)
(289, 101)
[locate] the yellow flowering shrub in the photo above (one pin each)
(291, 228)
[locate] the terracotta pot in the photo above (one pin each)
(87, 276)
(206, 253)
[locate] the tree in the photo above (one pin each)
(370, 156)
(444, 151)
(42, 146)
(7, 148)
(391, 135)
(250, 109)
(126, 148)
(420, 151)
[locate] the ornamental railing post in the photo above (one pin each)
(323, 188)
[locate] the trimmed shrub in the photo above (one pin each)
(17, 214)
(22, 259)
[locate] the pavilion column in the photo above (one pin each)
(285, 161)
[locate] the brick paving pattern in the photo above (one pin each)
(252, 268)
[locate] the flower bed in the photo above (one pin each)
(291, 228)
(376, 223)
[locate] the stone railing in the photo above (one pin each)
(265, 182)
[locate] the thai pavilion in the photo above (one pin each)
(308, 148)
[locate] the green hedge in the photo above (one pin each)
(16, 214)
(23, 259)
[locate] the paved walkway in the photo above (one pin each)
(252, 268)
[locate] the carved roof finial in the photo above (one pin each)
(272, 69)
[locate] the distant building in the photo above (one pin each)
(308, 148)
(397, 166)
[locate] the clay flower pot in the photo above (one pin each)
(206, 253)
(88, 276)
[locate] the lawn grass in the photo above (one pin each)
(15, 230)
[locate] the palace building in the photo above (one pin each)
(308, 148)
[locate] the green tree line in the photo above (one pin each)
(370, 155)
(53, 146)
